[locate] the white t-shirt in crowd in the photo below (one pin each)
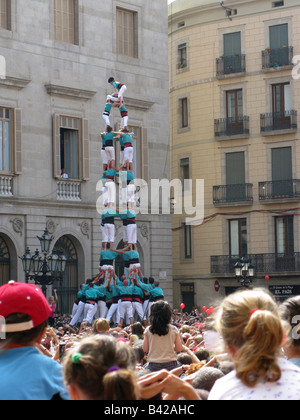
(286, 388)
(161, 348)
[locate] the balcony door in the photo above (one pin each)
(235, 177)
(232, 53)
(238, 246)
(234, 111)
(281, 106)
(284, 243)
(279, 41)
(282, 184)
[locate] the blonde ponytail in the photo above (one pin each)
(250, 324)
(263, 336)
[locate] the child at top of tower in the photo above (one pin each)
(120, 89)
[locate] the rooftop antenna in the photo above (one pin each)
(229, 12)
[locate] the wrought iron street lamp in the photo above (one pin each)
(244, 272)
(47, 269)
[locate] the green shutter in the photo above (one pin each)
(232, 44)
(235, 168)
(282, 164)
(279, 36)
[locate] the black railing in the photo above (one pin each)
(223, 194)
(231, 64)
(278, 121)
(263, 263)
(279, 57)
(272, 190)
(232, 126)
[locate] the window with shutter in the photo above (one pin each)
(5, 139)
(71, 148)
(232, 44)
(235, 177)
(85, 150)
(235, 168)
(184, 112)
(281, 163)
(18, 142)
(5, 14)
(282, 173)
(279, 36)
(238, 238)
(126, 32)
(66, 21)
(284, 235)
(182, 56)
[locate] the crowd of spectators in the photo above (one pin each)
(239, 352)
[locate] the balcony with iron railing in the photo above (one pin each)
(225, 195)
(279, 264)
(237, 127)
(276, 122)
(231, 65)
(279, 190)
(274, 59)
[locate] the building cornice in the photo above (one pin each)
(138, 104)
(69, 92)
(14, 83)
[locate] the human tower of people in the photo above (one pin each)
(106, 296)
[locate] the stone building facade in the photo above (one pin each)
(58, 56)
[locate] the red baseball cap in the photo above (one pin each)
(25, 299)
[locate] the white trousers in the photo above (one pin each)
(130, 193)
(110, 153)
(120, 94)
(121, 157)
(146, 310)
(128, 154)
(138, 308)
(111, 191)
(106, 119)
(124, 121)
(78, 317)
(89, 312)
(126, 309)
(110, 232)
(122, 91)
(74, 310)
(101, 309)
(103, 234)
(132, 234)
(112, 311)
(104, 157)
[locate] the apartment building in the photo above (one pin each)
(56, 58)
(234, 102)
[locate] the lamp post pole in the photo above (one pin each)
(244, 272)
(44, 270)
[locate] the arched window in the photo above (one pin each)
(67, 291)
(4, 262)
